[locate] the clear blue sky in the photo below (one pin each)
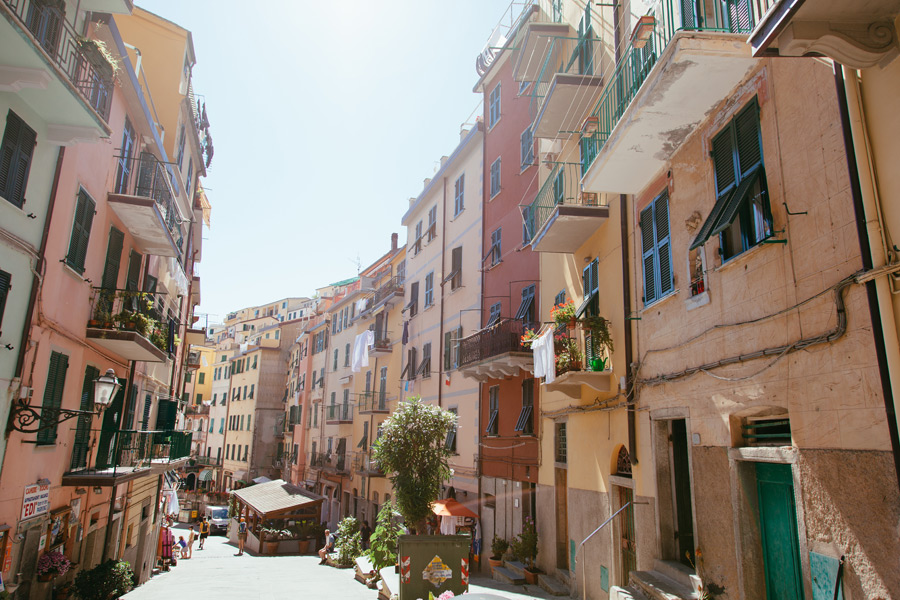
(326, 117)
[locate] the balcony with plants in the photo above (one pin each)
(143, 198)
(373, 403)
(682, 60)
(128, 324)
(64, 77)
(126, 454)
(384, 343)
(365, 465)
(583, 348)
(495, 352)
(387, 292)
(562, 215)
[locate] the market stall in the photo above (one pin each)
(280, 517)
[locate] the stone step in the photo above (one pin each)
(363, 569)
(657, 586)
(679, 573)
(552, 586)
(504, 575)
(625, 593)
(515, 567)
(389, 584)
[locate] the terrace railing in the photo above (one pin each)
(146, 176)
(498, 339)
(562, 187)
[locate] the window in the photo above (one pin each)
(201, 377)
(432, 223)
(417, 243)
(425, 366)
(657, 255)
(413, 306)
(245, 392)
(198, 399)
(347, 355)
(81, 231)
(494, 408)
(255, 359)
(334, 366)
(495, 315)
(345, 416)
(429, 289)
(494, 106)
(252, 388)
(525, 424)
(5, 284)
(494, 252)
(526, 308)
(83, 426)
(590, 306)
(559, 443)
(409, 371)
(451, 435)
(455, 276)
(741, 216)
(53, 393)
(16, 151)
(382, 388)
(527, 151)
(451, 348)
(697, 270)
(179, 157)
(459, 195)
(495, 177)
(189, 182)
(401, 272)
(246, 451)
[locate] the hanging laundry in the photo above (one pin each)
(361, 345)
(544, 357)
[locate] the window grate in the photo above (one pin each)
(767, 432)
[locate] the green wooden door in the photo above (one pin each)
(778, 530)
(684, 518)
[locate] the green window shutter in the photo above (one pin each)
(5, 284)
(749, 148)
(81, 231)
(723, 160)
(113, 259)
(663, 244)
(128, 422)
(83, 426)
(448, 347)
(134, 271)
(16, 151)
(53, 392)
(166, 415)
(647, 248)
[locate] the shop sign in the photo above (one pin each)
(37, 501)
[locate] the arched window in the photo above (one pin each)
(623, 463)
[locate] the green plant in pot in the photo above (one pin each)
(525, 546)
(599, 339)
(499, 546)
(568, 356)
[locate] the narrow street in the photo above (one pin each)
(216, 572)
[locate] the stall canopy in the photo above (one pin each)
(277, 499)
(207, 475)
(451, 508)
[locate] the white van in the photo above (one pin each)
(217, 516)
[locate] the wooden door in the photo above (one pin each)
(562, 520)
(626, 535)
(681, 494)
(778, 530)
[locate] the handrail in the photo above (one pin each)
(602, 525)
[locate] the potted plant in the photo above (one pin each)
(111, 579)
(269, 537)
(564, 313)
(600, 341)
(528, 337)
(52, 564)
(499, 546)
(525, 547)
(568, 356)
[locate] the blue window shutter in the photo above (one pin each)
(648, 246)
(723, 160)
(749, 147)
(663, 245)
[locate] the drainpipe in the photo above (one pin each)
(39, 266)
(866, 255)
(626, 301)
(443, 256)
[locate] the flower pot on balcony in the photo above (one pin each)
(130, 326)
(531, 577)
(46, 577)
(93, 323)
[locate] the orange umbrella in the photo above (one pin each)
(451, 508)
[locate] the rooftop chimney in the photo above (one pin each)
(393, 242)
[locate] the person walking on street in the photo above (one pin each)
(190, 542)
(329, 547)
(365, 533)
(242, 536)
(204, 531)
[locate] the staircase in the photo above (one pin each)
(668, 580)
(513, 572)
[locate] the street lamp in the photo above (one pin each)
(28, 419)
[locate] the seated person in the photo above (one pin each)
(329, 547)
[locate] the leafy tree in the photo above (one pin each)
(383, 541)
(412, 448)
(349, 542)
(108, 580)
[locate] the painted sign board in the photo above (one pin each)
(36, 501)
(433, 563)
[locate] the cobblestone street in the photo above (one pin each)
(216, 572)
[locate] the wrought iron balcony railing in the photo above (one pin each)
(146, 177)
(562, 187)
(667, 19)
(82, 60)
(373, 402)
(394, 286)
(130, 310)
(130, 450)
(505, 336)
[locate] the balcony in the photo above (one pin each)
(338, 414)
(373, 403)
(195, 337)
(387, 293)
(365, 465)
(132, 454)
(125, 323)
(564, 86)
(562, 216)
(582, 360)
(383, 344)
(62, 76)
(143, 198)
(495, 352)
(859, 35)
(192, 361)
(679, 66)
(336, 462)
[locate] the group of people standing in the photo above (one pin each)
(169, 551)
